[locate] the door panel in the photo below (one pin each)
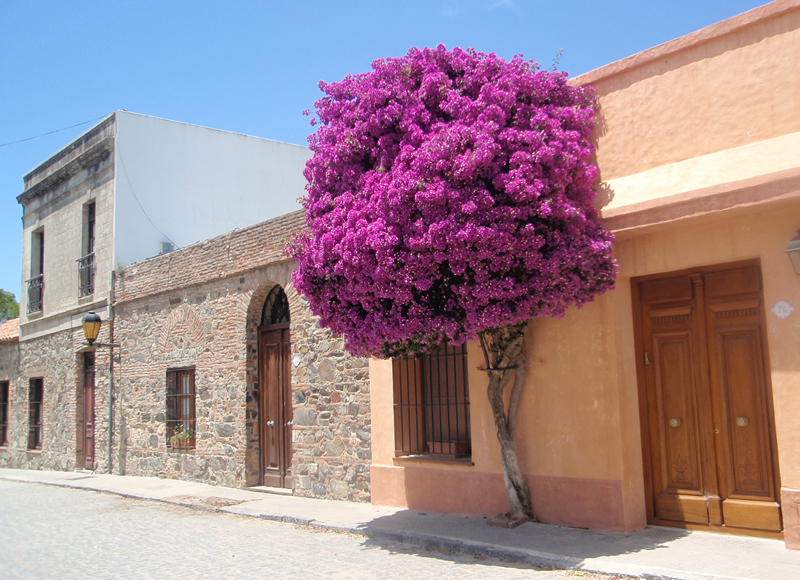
(680, 492)
(285, 387)
(709, 419)
(756, 515)
(738, 371)
(276, 412)
(677, 422)
(88, 411)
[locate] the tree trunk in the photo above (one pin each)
(504, 352)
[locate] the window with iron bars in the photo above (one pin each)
(86, 262)
(35, 402)
(85, 275)
(181, 418)
(36, 281)
(431, 404)
(3, 413)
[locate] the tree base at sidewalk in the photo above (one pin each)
(507, 521)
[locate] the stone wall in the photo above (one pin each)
(332, 432)
(200, 307)
(193, 327)
(58, 360)
(9, 371)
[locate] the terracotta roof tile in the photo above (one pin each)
(9, 330)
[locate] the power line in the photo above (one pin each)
(51, 132)
(130, 185)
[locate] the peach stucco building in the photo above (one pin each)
(673, 399)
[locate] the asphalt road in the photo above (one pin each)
(57, 533)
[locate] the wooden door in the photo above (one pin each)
(275, 406)
(708, 419)
(88, 410)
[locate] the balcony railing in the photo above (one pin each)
(35, 293)
(85, 275)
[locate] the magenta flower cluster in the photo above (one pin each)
(449, 192)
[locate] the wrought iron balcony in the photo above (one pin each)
(85, 275)
(35, 293)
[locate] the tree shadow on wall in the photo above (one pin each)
(604, 193)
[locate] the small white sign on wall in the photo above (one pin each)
(782, 309)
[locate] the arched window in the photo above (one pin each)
(276, 308)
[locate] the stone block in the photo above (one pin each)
(225, 430)
(339, 489)
(335, 448)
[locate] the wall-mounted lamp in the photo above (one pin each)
(793, 249)
(91, 327)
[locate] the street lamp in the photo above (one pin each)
(91, 327)
(793, 249)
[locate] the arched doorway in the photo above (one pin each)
(275, 402)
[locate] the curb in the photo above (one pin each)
(443, 544)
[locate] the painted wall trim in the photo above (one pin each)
(778, 187)
(738, 164)
(566, 501)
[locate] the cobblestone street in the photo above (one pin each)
(57, 533)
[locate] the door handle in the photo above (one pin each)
(675, 422)
(289, 424)
(270, 423)
(742, 421)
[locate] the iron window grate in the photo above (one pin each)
(431, 404)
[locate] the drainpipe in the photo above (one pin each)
(111, 372)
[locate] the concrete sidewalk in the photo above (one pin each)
(653, 552)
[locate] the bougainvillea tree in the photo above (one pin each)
(449, 199)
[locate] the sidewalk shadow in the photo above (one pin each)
(437, 535)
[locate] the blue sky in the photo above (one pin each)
(252, 67)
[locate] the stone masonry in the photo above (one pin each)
(9, 372)
(331, 438)
(199, 308)
(58, 360)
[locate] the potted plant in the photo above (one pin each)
(182, 437)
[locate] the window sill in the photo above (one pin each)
(34, 451)
(403, 460)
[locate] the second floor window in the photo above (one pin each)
(86, 261)
(36, 281)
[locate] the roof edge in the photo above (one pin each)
(9, 330)
(196, 125)
(717, 30)
(70, 168)
(71, 148)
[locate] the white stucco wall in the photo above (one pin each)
(194, 183)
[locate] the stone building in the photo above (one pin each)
(130, 188)
(10, 429)
(208, 366)
(271, 399)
